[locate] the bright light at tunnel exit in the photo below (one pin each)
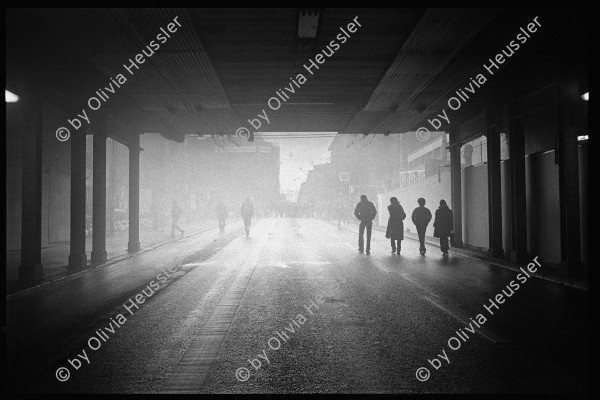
(10, 97)
(300, 152)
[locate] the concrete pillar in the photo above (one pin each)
(77, 256)
(30, 270)
(455, 183)
(134, 194)
(568, 159)
(99, 192)
(494, 186)
(516, 143)
(112, 187)
(583, 205)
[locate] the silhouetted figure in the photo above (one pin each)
(222, 215)
(395, 227)
(365, 211)
(443, 225)
(421, 217)
(175, 214)
(247, 212)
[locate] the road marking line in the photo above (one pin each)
(199, 264)
(408, 278)
(277, 264)
(486, 333)
(310, 262)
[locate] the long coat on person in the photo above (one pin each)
(443, 223)
(395, 227)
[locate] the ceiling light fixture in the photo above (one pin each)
(10, 97)
(308, 23)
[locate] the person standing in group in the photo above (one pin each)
(395, 227)
(175, 214)
(247, 212)
(365, 212)
(443, 225)
(222, 215)
(421, 216)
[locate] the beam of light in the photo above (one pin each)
(586, 96)
(10, 97)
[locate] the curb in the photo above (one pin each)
(114, 260)
(496, 262)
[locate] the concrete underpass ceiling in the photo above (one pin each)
(222, 66)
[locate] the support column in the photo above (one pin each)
(99, 193)
(112, 187)
(516, 143)
(568, 158)
(30, 270)
(134, 194)
(494, 186)
(77, 256)
(455, 183)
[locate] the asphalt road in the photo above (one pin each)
(295, 308)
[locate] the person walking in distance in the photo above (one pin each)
(421, 216)
(175, 214)
(247, 212)
(443, 225)
(222, 215)
(395, 227)
(365, 212)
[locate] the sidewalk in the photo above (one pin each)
(55, 257)
(479, 255)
